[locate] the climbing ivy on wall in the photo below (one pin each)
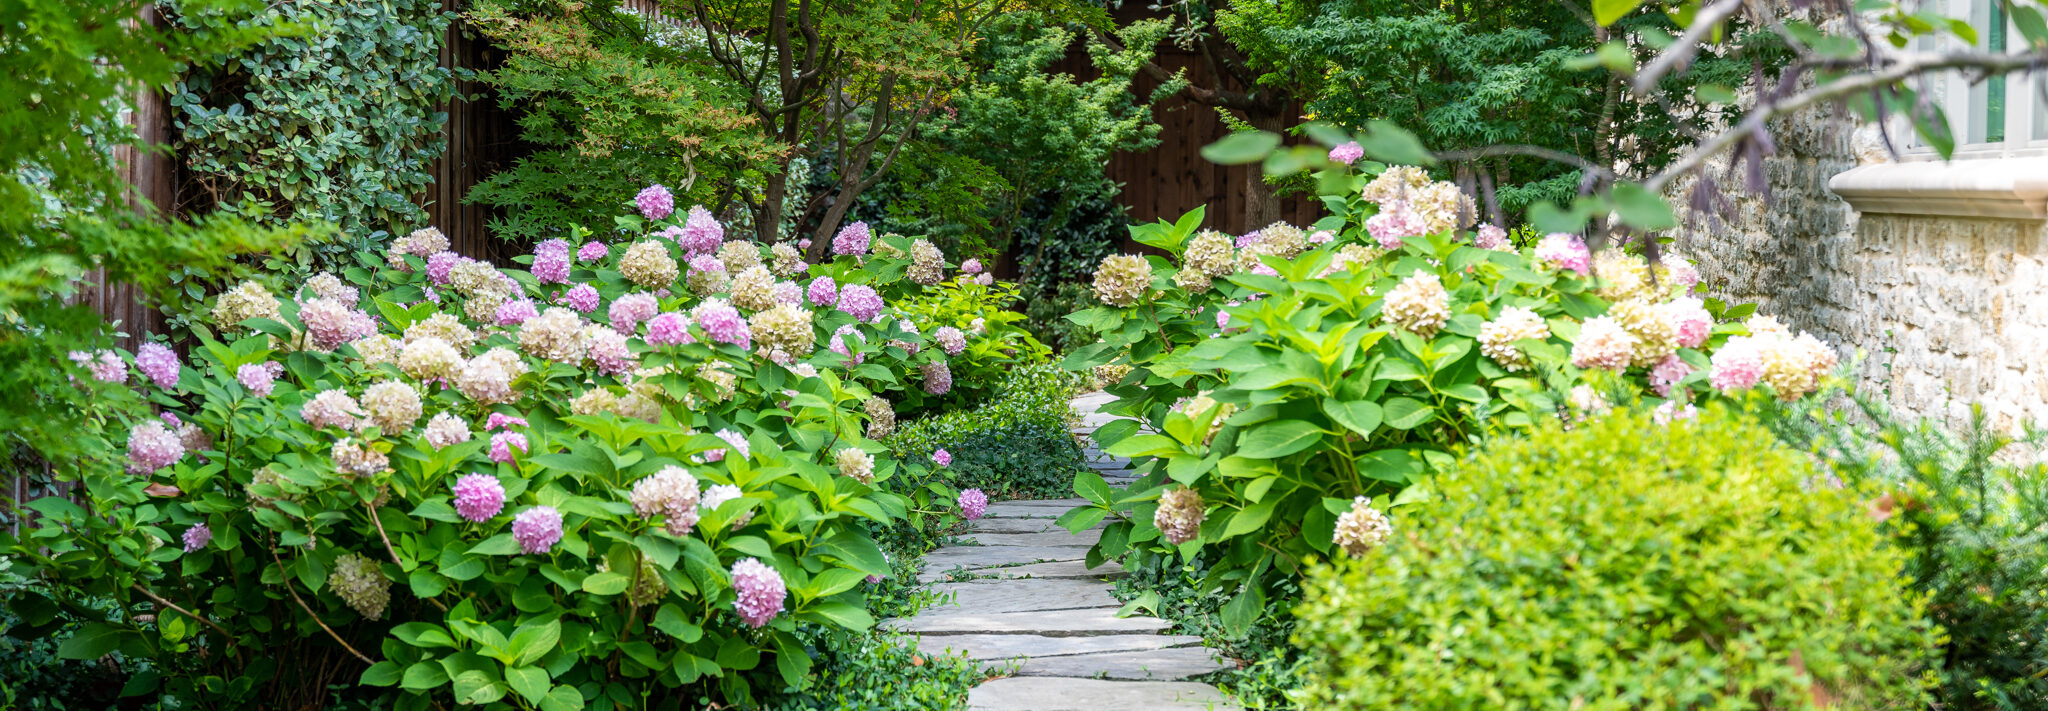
(334, 120)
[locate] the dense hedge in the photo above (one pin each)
(1623, 565)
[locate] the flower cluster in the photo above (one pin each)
(1180, 514)
(1123, 279)
(671, 492)
(1418, 304)
(973, 504)
(1497, 337)
(759, 592)
(1771, 355)
(1362, 528)
(537, 529)
(360, 582)
(478, 497)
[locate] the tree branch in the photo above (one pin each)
(188, 613)
(309, 610)
(1687, 45)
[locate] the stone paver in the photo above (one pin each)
(1172, 664)
(1055, 537)
(1027, 693)
(1061, 569)
(1025, 595)
(1033, 603)
(1010, 646)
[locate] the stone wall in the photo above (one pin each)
(1945, 311)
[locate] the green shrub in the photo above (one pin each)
(1623, 565)
(1047, 315)
(338, 121)
(1975, 527)
(1270, 667)
(1017, 446)
(997, 346)
(1285, 373)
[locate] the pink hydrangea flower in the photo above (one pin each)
(758, 591)
(1689, 319)
(738, 442)
(669, 329)
(1667, 373)
(106, 366)
(513, 313)
(1565, 251)
(583, 298)
(629, 310)
(1265, 269)
(984, 278)
(255, 378)
(722, 323)
(197, 537)
(973, 504)
(440, 264)
(478, 497)
(498, 420)
(1348, 153)
(502, 444)
(706, 262)
(938, 378)
(551, 262)
(860, 301)
(159, 363)
(1670, 412)
(537, 529)
(1222, 319)
(787, 292)
(152, 446)
(971, 266)
(592, 251)
(611, 353)
(1738, 365)
(824, 292)
(1395, 222)
(1491, 236)
(655, 202)
(852, 240)
(701, 232)
(1321, 237)
(951, 339)
(943, 457)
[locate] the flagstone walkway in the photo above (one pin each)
(1024, 600)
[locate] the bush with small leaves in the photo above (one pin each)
(1624, 564)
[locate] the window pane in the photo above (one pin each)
(1993, 117)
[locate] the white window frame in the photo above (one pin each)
(1964, 103)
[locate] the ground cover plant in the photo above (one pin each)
(1017, 446)
(1288, 386)
(632, 468)
(1624, 563)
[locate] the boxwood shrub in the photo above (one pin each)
(1624, 565)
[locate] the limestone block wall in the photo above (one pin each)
(1945, 310)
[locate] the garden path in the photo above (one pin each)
(1024, 599)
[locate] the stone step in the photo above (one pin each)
(1066, 503)
(1062, 569)
(1008, 510)
(1026, 693)
(1048, 623)
(1024, 595)
(1056, 537)
(1014, 525)
(1008, 646)
(1144, 665)
(970, 557)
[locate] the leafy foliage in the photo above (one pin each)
(1016, 446)
(1278, 398)
(1528, 581)
(333, 120)
(65, 214)
(1047, 316)
(334, 537)
(614, 100)
(1270, 664)
(1973, 522)
(1000, 343)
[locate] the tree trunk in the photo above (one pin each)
(768, 217)
(1261, 205)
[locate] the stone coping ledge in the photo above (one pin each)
(2011, 188)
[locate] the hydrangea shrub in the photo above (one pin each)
(561, 487)
(1288, 386)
